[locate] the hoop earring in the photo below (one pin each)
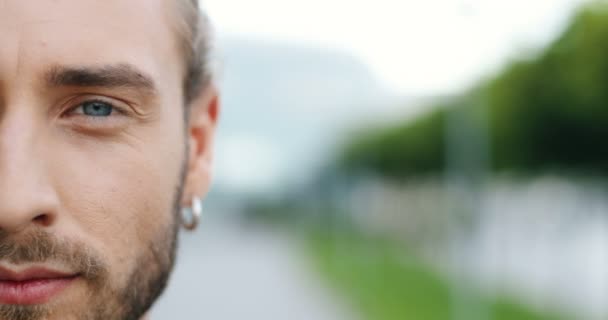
(191, 216)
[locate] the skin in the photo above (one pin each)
(110, 184)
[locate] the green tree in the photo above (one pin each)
(548, 112)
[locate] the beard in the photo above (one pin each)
(107, 301)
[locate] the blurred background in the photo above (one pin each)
(406, 159)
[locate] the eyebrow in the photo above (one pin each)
(110, 76)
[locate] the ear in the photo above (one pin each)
(201, 128)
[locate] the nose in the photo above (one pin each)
(27, 198)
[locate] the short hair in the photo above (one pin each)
(196, 46)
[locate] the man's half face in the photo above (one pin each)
(92, 154)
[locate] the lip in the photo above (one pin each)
(35, 285)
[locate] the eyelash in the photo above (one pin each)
(87, 123)
(114, 112)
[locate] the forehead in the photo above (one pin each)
(36, 34)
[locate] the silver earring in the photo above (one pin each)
(191, 215)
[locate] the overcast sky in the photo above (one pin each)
(422, 47)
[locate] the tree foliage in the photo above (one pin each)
(549, 112)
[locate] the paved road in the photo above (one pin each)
(228, 270)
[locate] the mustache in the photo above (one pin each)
(39, 246)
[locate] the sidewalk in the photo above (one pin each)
(231, 271)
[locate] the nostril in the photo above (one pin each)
(43, 219)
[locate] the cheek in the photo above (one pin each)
(118, 194)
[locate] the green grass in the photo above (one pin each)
(385, 283)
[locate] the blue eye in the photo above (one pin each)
(96, 109)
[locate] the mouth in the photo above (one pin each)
(32, 286)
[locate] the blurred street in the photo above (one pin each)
(227, 271)
(429, 189)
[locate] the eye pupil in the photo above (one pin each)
(96, 109)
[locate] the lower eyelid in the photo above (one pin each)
(84, 123)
